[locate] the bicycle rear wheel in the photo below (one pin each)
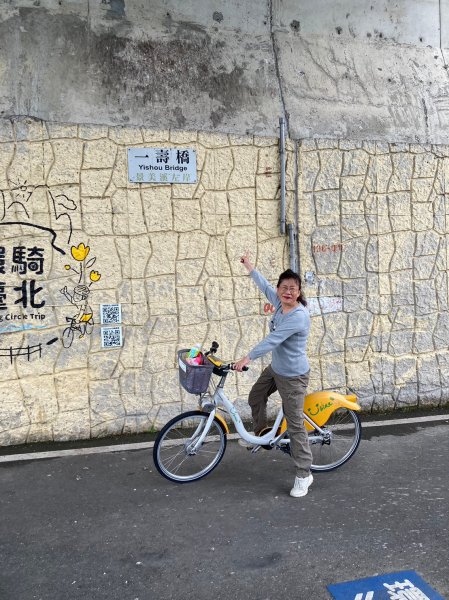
(173, 452)
(343, 432)
(67, 337)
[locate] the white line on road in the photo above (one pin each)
(149, 445)
(429, 419)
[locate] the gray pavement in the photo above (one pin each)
(109, 527)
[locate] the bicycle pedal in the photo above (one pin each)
(284, 448)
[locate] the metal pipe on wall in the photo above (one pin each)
(292, 246)
(296, 222)
(282, 159)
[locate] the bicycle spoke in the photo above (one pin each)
(176, 470)
(169, 460)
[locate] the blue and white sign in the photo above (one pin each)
(404, 585)
(111, 314)
(162, 165)
(111, 337)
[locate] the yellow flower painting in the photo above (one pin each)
(95, 276)
(80, 252)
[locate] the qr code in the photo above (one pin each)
(111, 337)
(111, 314)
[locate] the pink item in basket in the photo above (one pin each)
(197, 360)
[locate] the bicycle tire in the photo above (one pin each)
(346, 432)
(172, 444)
(67, 337)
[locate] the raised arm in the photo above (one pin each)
(263, 285)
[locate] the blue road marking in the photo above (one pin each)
(403, 585)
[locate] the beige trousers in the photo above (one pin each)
(292, 391)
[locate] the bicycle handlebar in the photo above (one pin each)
(230, 366)
(213, 348)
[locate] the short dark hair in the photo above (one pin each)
(289, 274)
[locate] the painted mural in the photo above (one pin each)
(35, 223)
(81, 322)
(20, 204)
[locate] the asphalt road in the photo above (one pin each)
(108, 526)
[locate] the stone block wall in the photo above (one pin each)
(75, 234)
(374, 230)
(168, 254)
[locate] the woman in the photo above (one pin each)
(289, 370)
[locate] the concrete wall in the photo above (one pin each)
(366, 71)
(361, 71)
(160, 64)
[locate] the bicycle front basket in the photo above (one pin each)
(193, 378)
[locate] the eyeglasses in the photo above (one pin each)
(289, 289)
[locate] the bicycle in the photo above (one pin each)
(193, 443)
(69, 332)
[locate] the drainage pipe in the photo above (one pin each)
(282, 159)
(296, 221)
(292, 246)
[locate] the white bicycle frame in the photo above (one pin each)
(270, 438)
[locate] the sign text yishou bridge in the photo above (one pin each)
(162, 165)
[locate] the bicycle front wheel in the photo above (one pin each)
(67, 337)
(343, 432)
(175, 454)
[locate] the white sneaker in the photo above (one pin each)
(301, 486)
(244, 444)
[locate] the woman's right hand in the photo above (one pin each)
(245, 261)
(241, 364)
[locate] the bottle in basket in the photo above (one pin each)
(195, 356)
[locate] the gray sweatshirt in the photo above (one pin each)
(287, 339)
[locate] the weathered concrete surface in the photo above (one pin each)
(364, 90)
(399, 22)
(374, 71)
(160, 64)
(109, 527)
